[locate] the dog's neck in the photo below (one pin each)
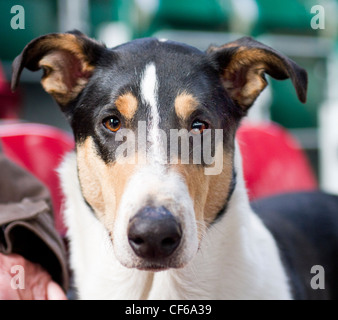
(237, 259)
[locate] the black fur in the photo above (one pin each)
(305, 226)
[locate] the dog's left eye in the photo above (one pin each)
(198, 127)
(112, 123)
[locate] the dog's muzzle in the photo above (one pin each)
(154, 233)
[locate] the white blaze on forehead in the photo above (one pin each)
(149, 87)
(149, 93)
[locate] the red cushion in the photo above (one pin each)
(273, 161)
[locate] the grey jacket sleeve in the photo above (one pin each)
(26, 221)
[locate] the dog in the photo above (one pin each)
(143, 227)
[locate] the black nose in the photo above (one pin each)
(154, 233)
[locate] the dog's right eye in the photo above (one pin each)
(112, 123)
(198, 127)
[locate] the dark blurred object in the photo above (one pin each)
(9, 102)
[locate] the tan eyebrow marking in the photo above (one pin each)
(127, 105)
(185, 105)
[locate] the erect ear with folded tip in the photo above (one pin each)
(68, 61)
(243, 63)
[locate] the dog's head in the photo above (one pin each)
(148, 116)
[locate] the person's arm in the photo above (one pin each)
(26, 223)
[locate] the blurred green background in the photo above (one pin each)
(282, 24)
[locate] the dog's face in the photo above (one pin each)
(144, 116)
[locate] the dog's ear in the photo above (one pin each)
(243, 63)
(68, 61)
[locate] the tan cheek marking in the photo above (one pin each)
(218, 189)
(185, 105)
(102, 184)
(91, 170)
(127, 105)
(197, 183)
(208, 192)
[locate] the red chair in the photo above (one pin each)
(39, 149)
(273, 161)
